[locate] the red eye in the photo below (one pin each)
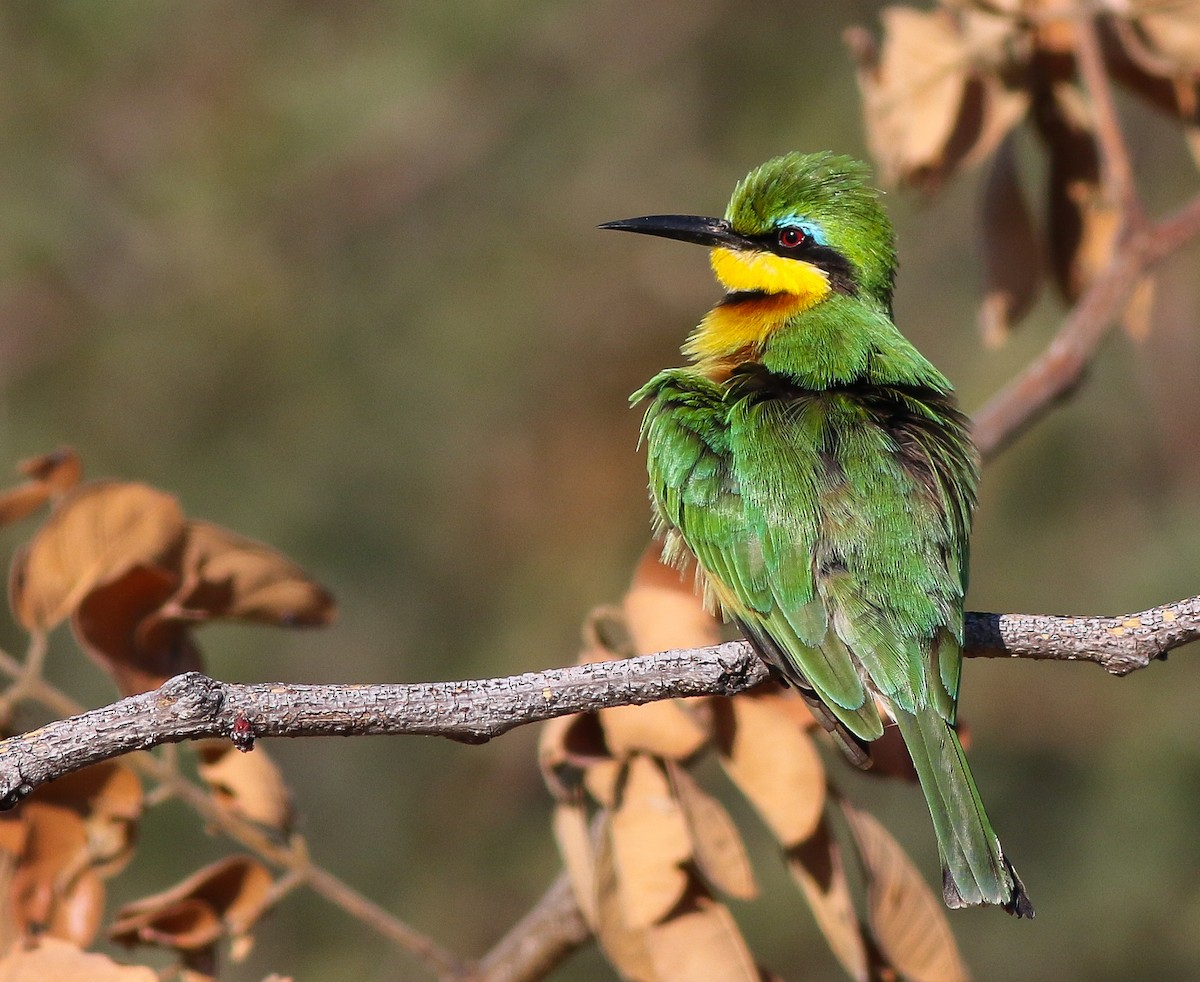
(790, 237)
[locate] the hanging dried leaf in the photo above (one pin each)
(1172, 30)
(115, 625)
(663, 609)
(21, 501)
(185, 925)
(1011, 250)
(230, 576)
(664, 729)
(98, 531)
(601, 780)
(908, 922)
(109, 798)
(574, 839)
(774, 764)
(650, 843)
(700, 942)
(817, 867)
(912, 89)
(567, 746)
(52, 960)
(230, 894)
(60, 470)
(717, 846)
(249, 785)
(53, 888)
(623, 945)
(1082, 224)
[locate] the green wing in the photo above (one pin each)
(831, 527)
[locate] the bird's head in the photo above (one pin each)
(795, 218)
(799, 229)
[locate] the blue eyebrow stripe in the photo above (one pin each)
(811, 229)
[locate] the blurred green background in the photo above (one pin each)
(329, 272)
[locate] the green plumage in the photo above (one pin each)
(824, 480)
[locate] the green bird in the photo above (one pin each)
(817, 467)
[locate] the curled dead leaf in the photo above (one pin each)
(663, 609)
(1011, 250)
(249, 785)
(623, 945)
(908, 922)
(225, 898)
(819, 870)
(717, 847)
(774, 764)
(567, 747)
(230, 576)
(574, 839)
(98, 531)
(699, 942)
(650, 844)
(21, 501)
(53, 888)
(116, 625)
(60, 470)
(53, 960)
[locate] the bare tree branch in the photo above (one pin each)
(193, 706)
(1060, 368)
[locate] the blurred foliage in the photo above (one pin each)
(328, 273)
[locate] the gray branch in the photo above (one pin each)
(193, 706)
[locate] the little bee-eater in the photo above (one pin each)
(816, 466)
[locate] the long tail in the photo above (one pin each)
(974, 868)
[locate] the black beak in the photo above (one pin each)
(687, 228)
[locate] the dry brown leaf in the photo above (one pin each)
(818, 868)
(567, 746)
(80, 909)
(912, 89)
(53, 888)
(574, 839)
(623, 945)
(52, 960)
(116, 625)
(664, 729)
(184, 925)
(60, 470)
(663, 609)
(774, 764)
(224, 898)
(249, 785)
(230, 576)
(650, 844)
(1081, 224)
(717, 846)
(109, 798)
(1173, 31)
(21, 501)
(1011, 250)
(908, 922)
(98, 531)
(601, 780)
(700, 942)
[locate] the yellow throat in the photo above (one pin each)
(776, 290)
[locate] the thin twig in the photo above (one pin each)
(1116, 167)
(1056, 372)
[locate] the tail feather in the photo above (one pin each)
(974, 867)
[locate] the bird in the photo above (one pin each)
(816, 468)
